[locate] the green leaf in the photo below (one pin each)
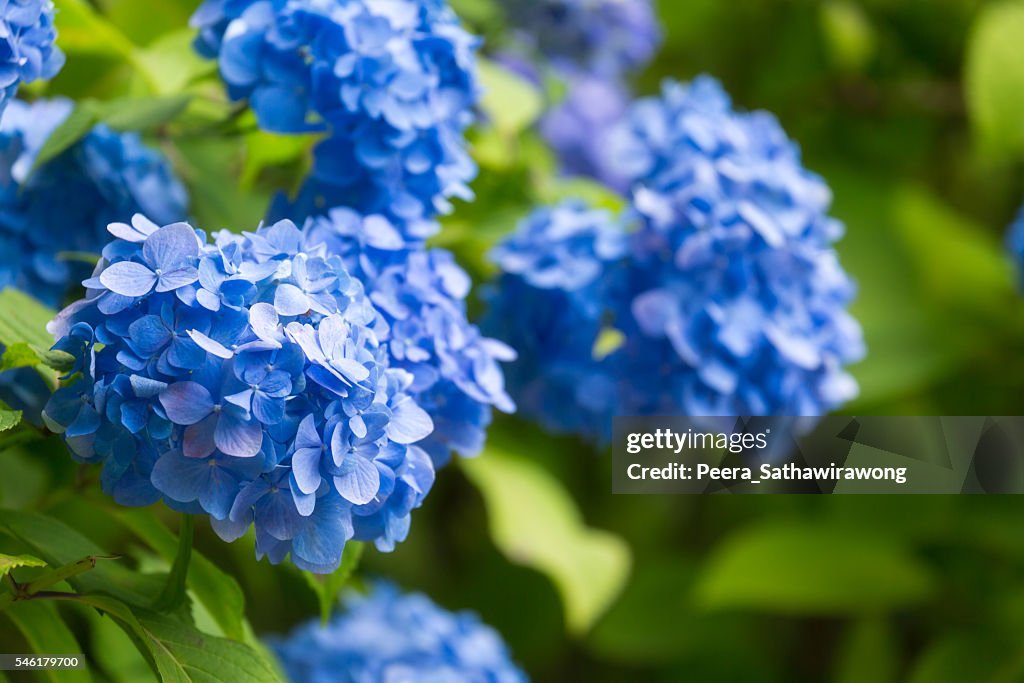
(848, 33)
(142, 113)
(327, 588)
(22, 355)
(82, 29)
(180, 653)
(265, 149)
(510, 102)
(172, 62)
(46, 633)
(75, 127)
(994, 75)
(59, 544)
(9, 562)
(23, 320)
(9, 419)
(219, 592)
(803, 569)
(534, 522)
(19, 355)
(868, 653)
(174, 595)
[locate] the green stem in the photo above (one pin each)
(173, 594)
(30, 590)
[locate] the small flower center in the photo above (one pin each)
(216, 408)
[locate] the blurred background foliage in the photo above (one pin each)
(913, 110)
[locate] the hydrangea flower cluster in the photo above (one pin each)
(731, 299)
(605, 38)
(591, 46)
(27, 45)
(244, 378)
(390, 636)
(421, 294)
(560, 274)
(393, 84)
(66, 205)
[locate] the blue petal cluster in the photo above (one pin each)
(606, 38)
(730, 299)
(27, 45)
(65, 206)
(1015, 244)
(393, 84)
(560, 276)
(578, 128)
(243, 378)
(390, 636)
(421, 294)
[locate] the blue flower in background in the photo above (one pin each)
(554, 300)
(728, 300)
(734, 264)
(27, 45)
(1015, 243)
(393, 84)
(421, 294)
(65, 206)
(249, 379)
(390, 636)
(578, 128)
(605, 38)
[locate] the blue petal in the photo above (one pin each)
(186, 403)
(409, 423)
(128, 278)
(361, 483)
(236, 437)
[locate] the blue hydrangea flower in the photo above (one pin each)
(421, 294)
(605, 38)
(27, 45)
(561, 279)
(393, 84)
(66, 205)
(730, 299)
(1015, 243)
(390, 636)
(246, 379)
(578, 128)
(735, 268)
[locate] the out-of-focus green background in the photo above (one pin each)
(914, 113)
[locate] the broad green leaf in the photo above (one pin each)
(219, 592)
(510, 102)
(59, 544)
(9, 419)
(9, 562)
(19, 355)
(172, 62)
(23, 355)
(327, 588)
(848, 34)
(23, 320)
(180, 653)
(175, 593)
(868, 652)
(46, 633)
(806, 569)
(114, 652)
(534, 522)
(994, 75)
(265, 149)
(82, 29)
(142, 113)
(966, 657)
